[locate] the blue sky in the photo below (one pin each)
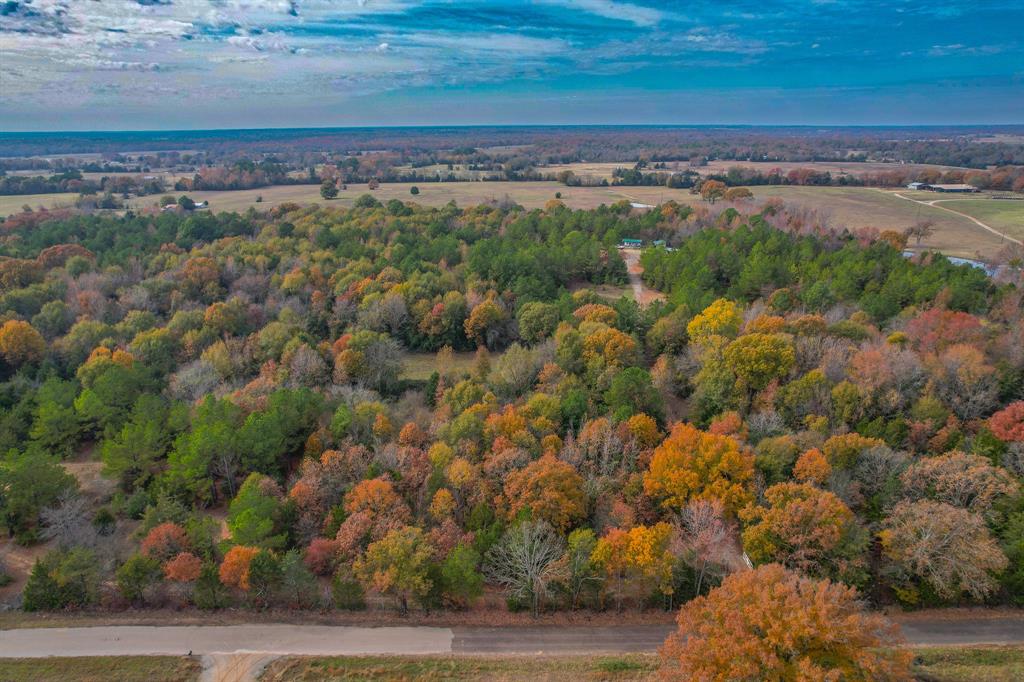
(149, 64)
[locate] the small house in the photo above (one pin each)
(631, 243)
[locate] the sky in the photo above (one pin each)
(187, 64)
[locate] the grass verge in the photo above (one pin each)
(100, 669)
(556, 669)
(970, 664)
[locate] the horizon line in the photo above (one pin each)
(435, 126)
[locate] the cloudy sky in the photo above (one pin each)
(151, 64)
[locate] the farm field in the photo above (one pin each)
(13, 203)
(857, 207)
(529, 194)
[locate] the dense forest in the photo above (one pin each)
(802, 397)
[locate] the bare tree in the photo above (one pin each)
(922, 229)
(703, 538)
(69, 522)
(526, 561)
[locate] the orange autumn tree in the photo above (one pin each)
(165, 541)
(550, 489)
(1008, 424)
(812, 467)
(184, 568)
(377, 497)
(694, 464)
(807, 529)
(234, 570)
(774, 624)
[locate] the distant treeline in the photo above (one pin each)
(73, 181)
(971, 147)
(1007, 178)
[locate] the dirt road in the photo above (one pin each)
(642, 293)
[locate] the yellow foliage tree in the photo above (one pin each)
(693, 464)
(721, 318)
(636, 561)
(20, 343)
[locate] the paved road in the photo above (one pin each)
(238, 652)
(317, 640)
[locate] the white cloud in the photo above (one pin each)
(623, 11)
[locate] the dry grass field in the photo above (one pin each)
(13, 203)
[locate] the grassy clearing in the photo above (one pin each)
(968, 664)
(569, 669)
(100, 669)
(10, 204)
(419, 366)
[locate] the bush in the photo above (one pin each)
(62, 579)
(136, 576)
(346, 593)
(209, 592)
